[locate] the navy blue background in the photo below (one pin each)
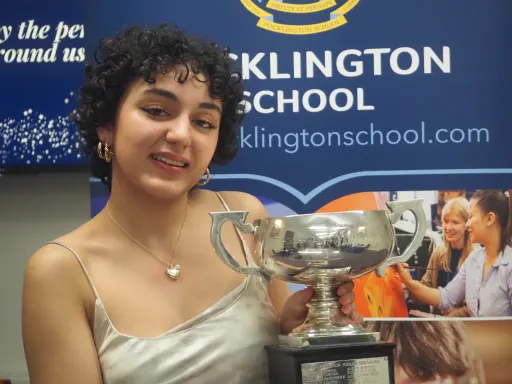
(474, 95)
(40, 87)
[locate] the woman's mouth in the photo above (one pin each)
(171, 167)
(170, 162)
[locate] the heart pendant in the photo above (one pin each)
(174, 271)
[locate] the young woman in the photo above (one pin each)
(138, 294)
(485, 279)
(447, 258)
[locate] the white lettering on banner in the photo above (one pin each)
(274, 71)
(30, 55)
(297, 70)
(313, 100)
(347, 63)
(251, 66)
(63, 31)
(31, 31)
(292, 142)
(313, 61)
(5, 33)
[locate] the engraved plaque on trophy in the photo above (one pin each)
(365, 371)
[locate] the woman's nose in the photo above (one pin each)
(178, 132)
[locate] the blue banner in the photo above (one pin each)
(349, 96)
(350, 104)
(41, 67)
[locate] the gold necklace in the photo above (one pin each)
(173, 270)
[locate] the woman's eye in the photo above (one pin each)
(204, 124)
(154, 111)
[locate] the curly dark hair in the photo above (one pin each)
(142, 53)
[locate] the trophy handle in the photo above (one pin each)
(397, 208)
(238, 218)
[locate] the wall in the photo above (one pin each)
(33, 209)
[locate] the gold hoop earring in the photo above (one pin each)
(208, 176)
(104, 152)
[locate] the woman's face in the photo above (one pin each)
(165, 136)
(478, 223)
(454, 228)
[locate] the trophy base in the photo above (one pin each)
(302, 341)
(315, 334)
(365, 363)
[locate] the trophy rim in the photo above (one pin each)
(353, 211)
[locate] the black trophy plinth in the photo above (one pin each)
(365, 363)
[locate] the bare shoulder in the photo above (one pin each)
(51, 264)
(52, 274)
(241, 201)
(56, 335)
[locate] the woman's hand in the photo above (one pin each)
(295, 311)
(405, 275)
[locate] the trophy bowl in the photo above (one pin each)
(321, 250)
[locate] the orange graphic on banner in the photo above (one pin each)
(380, 297)
(357, 201)
(375, 296)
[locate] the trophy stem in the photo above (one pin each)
(323, 306)
(325, 323)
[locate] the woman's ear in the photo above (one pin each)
(490, 219)
(105, 134)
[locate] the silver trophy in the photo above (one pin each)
(320, 250)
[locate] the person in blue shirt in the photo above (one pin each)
(485, 279)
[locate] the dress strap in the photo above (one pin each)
(247, 252)
(81, 264)
(222, 201)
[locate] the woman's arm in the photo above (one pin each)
(59, 347)
(420, 292)
(444, 298)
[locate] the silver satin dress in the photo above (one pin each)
(222, 345)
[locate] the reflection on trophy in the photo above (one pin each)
(321, 250)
